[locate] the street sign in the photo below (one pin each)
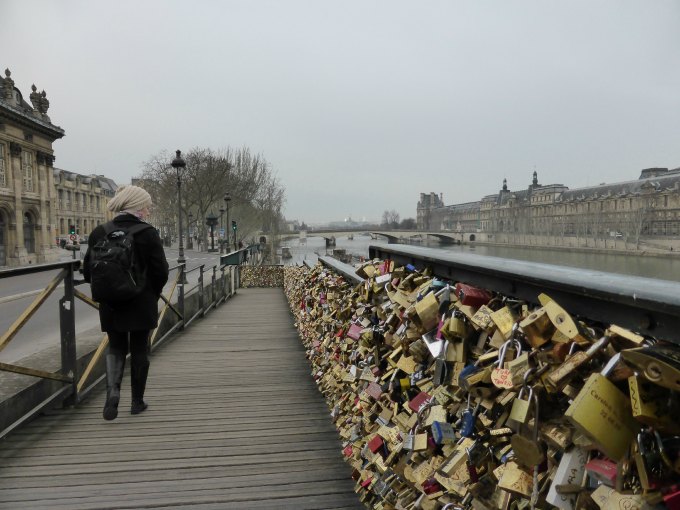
(222, 232)
(73, 237)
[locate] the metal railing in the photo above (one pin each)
(223, 284)
(646, 305)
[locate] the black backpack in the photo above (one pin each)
(114, 276)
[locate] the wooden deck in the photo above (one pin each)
(234, 421)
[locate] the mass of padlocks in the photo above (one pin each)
(261, 276)
(447, 396)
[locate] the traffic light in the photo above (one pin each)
(233, 225)
(71, 229)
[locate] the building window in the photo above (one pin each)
(27, 170)
(3, 175)
(29, 233)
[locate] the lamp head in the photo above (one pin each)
(178, 163)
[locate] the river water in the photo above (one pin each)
(665, 268)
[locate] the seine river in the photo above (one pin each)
(666, 268)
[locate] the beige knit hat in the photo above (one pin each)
(129, 198)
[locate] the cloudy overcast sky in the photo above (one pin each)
(360, 105)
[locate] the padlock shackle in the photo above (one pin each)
(534, 397)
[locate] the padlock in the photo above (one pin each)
(519, 412)
(472, 296)
(417, 440)
(570, 471)
(653, 406)
(528, 451)
(603, 470)
(505, 319)
(537, 328)
(567, 328)
(468, 419)
(426, 312)
(443, 433)
(457, 327)
(658, 363)
(602, 412)
(653, 465)
(556, 379)
(501, 377)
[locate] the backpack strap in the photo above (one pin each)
(109, 227)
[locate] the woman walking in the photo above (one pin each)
(128, 322)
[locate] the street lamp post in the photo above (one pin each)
(227, 199)
(190, 241)
(221, 230)
(179, 165)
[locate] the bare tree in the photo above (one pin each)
(257, 198)
(408, 224)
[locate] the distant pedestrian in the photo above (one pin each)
(128, 323)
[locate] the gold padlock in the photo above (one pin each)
(538, 328)
(602, 412)
(651, 408)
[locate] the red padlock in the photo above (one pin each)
(375, 444)
(374, 390)
(603, 470)
(472, 296)
(417, 402)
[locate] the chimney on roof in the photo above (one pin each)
(652, 172)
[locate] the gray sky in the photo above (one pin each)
(360, 105)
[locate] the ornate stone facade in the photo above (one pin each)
(27, 192)
(81, 201)
(648, 208)
(428, 202)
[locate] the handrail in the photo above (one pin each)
(341, 268)
(646, 305)
(75, 388)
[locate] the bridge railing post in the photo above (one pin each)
(67, 327)
(180, 294)
(213, 290)
(201, 291)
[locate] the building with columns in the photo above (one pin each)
(27, 191)
(623, 214)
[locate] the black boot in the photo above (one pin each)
(115, 365)
(138, 375)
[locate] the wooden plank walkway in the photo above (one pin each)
(234, 421)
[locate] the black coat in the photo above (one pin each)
(140, 313)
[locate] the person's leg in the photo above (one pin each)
(115, 365)
(139, 366)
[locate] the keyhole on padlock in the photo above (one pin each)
(653, 372)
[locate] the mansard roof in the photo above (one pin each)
(658, 183)
(105, 183)
(18, 110)
(467, 206)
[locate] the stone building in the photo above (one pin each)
(428, 202)
(27, 192)
(81, 201)
(648, 207)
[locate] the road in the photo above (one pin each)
(42, 330)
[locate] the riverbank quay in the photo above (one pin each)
(422, 369)
(234, 421)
